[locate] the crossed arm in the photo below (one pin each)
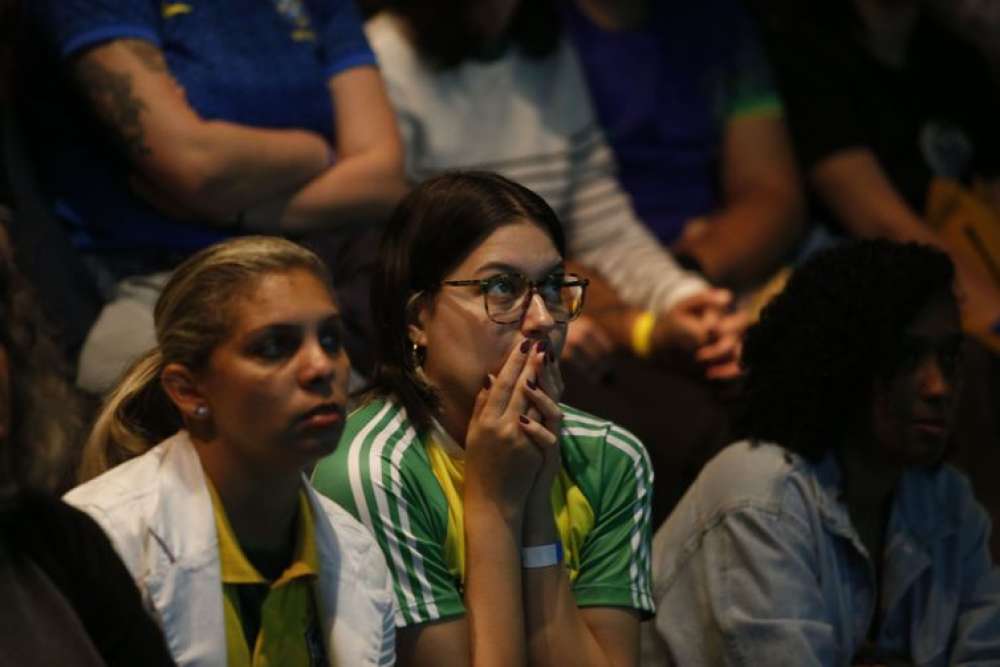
(283, 179)
(763, 211)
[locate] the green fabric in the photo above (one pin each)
(380, 473)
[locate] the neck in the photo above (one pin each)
(889, 24)
(869, 479)
(614, 14)
(454, 418)
(260, 503)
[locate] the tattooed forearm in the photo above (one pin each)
(116, 103)
(148, 54)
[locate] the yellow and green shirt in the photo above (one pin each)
(289, 632)
(407, 489)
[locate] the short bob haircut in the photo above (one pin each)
(814, 357)
(430, 233)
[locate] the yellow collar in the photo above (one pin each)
(236, 569)
(574, 517)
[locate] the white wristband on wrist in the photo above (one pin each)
(544, 555)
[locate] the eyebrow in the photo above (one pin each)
(287, 326)
(503, 267)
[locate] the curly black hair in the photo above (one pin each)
(813, 357)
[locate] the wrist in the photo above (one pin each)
(510, 512)
(539, 524)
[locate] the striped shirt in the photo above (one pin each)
(382, 475)
(530, 120)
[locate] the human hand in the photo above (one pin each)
(720, 357)
(588, 348)
(502, 459)
(701, 329)
(545, 422)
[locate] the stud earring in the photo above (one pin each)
(201, 411)
(417, 356)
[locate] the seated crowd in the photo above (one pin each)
(555, 332)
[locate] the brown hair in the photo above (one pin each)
(191, 319)
(432, 230)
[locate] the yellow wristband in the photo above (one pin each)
(642, 334)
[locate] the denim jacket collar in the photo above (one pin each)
(916, 512)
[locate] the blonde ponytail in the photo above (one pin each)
(134, 417)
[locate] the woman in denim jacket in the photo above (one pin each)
(850, 542)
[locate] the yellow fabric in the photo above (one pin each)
(642, 334)
(967, 220)
(172, 9)
(289, 610)
(574, 517)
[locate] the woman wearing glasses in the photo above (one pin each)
(516, 528)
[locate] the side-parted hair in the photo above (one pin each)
(192, 317)
(813, 358)
(432, 230)
(440, 30)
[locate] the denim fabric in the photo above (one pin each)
(759, 565)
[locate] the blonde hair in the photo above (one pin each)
(191, 318)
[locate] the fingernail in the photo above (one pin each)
(525, 346)
(523, 419)
(532, 384)
(488, 383)
(542, 345)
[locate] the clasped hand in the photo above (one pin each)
(512, 442)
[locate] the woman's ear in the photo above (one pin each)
(416, 315)
(181, 386)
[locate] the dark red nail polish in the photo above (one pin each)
(488, 383)
(524, 420)
(526, 345)
(542, 346)
(532, 384)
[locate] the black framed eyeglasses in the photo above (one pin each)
(506, 295)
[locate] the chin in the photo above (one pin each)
(311, 447)
(925, 452)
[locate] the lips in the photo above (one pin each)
(934, 427)
(322, 416)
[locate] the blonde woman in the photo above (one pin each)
(240, 560)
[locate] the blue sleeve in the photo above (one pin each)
(74, 25)
(343, 39)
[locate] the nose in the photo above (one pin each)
(936, 382)
(320, 369)
(537, 318)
